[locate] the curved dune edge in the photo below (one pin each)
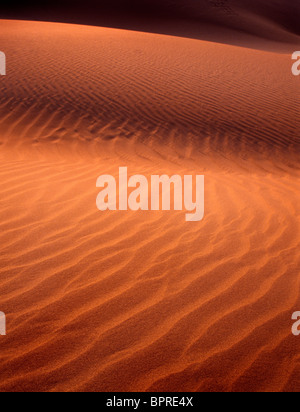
(258, 24)
(145, 301)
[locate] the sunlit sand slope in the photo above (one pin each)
(129, 301)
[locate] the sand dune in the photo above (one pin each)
(128, 301)
(264, 24)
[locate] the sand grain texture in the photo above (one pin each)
(131, 301)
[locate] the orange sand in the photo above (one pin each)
(136, 301)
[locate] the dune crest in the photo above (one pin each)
(264, 24)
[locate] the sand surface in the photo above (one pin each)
(260, 24)
(136, 301)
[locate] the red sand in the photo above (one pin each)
(128, 301)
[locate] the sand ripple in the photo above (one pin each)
(145, 301)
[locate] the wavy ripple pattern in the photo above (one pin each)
(140, 301)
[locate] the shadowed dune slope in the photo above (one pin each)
(265, 24)
(131, 301)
